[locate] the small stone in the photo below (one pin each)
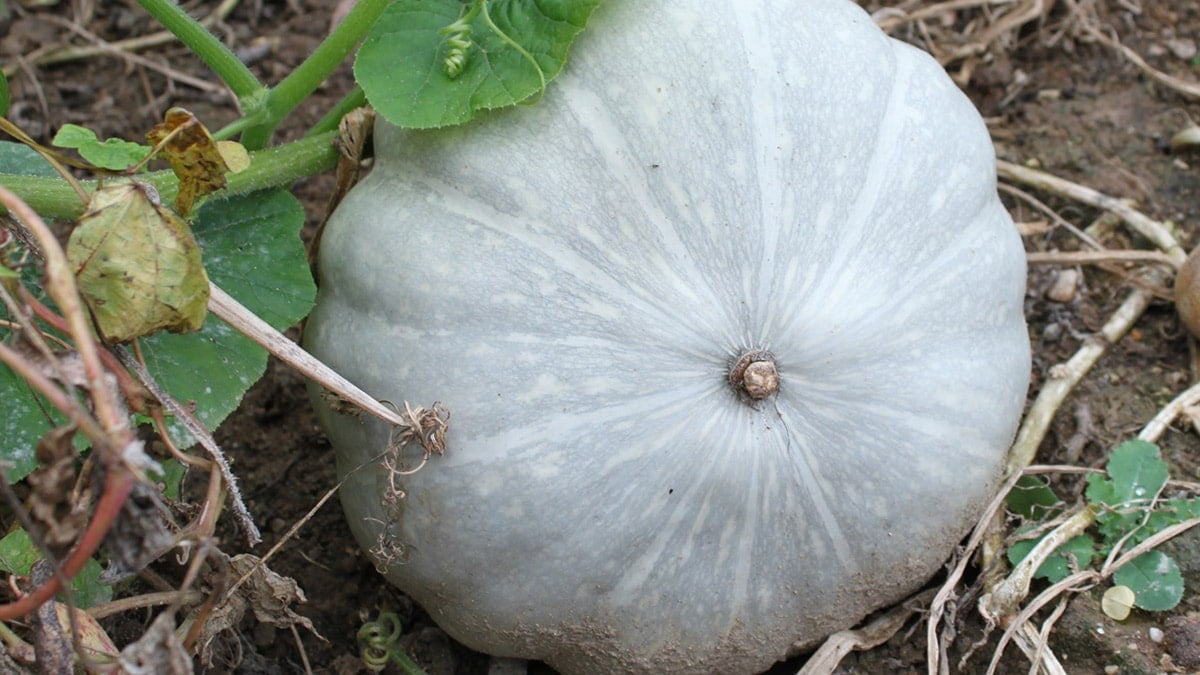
(1062, 289)
(1183, 48)
(1156, 634)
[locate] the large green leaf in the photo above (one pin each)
(24, 419)
(402, 64)
(22, 423)
(252, 250)
(20, 159)
(17, 555)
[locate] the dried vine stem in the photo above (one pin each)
(203, 437)
(1063, 379)
(1158, 426)
(250, 325)
(1142, 224)
(1096, 257)
(826, 659)
(933, 653)
(60, 284)
(1090, 26)
(1065, 376)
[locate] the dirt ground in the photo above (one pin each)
(1053, 97)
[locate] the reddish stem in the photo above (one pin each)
(116, 489)
(135, 394)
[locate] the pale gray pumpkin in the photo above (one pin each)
(575, 280)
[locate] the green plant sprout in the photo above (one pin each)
(1128, 509)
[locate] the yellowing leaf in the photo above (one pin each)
(1117, 602)
(138, 264)
(236, 157)
(92, 638)
(192, 154)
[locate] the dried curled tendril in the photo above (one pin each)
(458, 38)
(380, 641)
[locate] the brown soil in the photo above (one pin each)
(1075, 108)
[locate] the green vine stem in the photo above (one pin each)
(333, 50)
(281, 165)
(204, 44)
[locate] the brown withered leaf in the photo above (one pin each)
(193, 155)
(53, 506)
(137, 264)
(354, 133)
(268, 595)
(158, 651)
(139, 536)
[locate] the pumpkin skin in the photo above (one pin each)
(574, 281)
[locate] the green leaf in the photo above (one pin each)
(111, 153)
(22, 160)
(402, 64)
(171, 479)
(1135, 476)
(253, 251)
(1032, 498)
(4, 100)
(17, 555)
(1155, 579)
(21, 425)
(1072, 556)
(1166, 514)
(24, 420)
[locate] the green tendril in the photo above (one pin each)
(381, 645)
(458, 37)
(460, 42)
(487, 18)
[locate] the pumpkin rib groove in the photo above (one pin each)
(618, 156)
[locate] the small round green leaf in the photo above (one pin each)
(1155, 579)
